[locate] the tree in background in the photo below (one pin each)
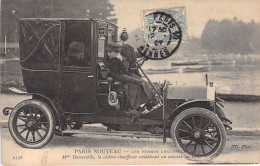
(101, 9)
(231, 36)
(12, 10)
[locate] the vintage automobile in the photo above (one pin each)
(82, 92)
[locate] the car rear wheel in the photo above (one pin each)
(31, 124)
(199, 134)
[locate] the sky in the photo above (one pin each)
(198, 13)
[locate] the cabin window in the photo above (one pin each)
(77, 44)
(42, 55)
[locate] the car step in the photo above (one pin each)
(114, 133)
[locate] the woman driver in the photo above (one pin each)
(136, 89)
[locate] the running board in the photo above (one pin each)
(114, 133)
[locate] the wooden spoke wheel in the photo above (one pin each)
(198, 133)
(31, 124)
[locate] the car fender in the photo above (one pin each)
(57, 111)
(202, 103)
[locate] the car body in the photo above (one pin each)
(76, 94)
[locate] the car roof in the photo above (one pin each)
(67, 19)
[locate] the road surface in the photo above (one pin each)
(85, 149)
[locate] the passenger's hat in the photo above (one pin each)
(76, 48)
(112, 46)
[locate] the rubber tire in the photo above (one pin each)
(45, 108)
(214, 118)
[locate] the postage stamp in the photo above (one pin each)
(164, 30)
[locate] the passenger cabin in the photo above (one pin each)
(62, 57)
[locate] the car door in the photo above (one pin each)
(78, 81)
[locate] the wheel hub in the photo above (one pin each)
(30, 124)
(197, 134)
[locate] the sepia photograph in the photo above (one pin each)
(140, 82)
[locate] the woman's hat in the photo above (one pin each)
(111, 46)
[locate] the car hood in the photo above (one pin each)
(186, 92)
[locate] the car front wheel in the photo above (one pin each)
(199, 134)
